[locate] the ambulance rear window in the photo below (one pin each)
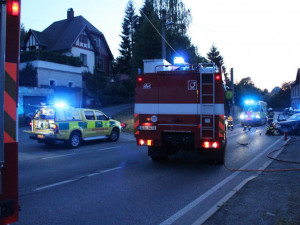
(67, 115)
(73, 115)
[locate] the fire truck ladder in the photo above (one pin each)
(207, 111)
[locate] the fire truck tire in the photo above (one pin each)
(220, 159)
(75, 139)
(157, 154)
(115, 134)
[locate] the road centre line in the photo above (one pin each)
(215, 208)
(75, 179)
(202, 197)
(77, 153)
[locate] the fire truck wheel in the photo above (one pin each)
(157, 154)
(75, 139)
(115, 134)
(220, 159)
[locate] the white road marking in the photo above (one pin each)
(75, 179)
(54, 185)
(78, 153)
(215, 208)
(202, 197)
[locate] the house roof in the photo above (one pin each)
(297, 81)
(62, 34)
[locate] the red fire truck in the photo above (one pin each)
(180, 107)
(9, 67)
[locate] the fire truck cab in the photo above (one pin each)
(180, 107)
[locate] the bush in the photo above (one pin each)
(55, 57)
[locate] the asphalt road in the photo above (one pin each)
(116, 183)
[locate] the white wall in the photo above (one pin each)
(62, 74)
(90, 57)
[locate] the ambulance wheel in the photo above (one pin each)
(75, 139)
(220, 159)
(115, 134)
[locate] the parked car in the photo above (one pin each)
(72, 125)
(291, 125)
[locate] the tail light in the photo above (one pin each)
(123, 125)
(217, 77)
(55, 128)
(30, 124)
(146, 142)
(210, 144)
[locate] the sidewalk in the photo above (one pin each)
(271, 198)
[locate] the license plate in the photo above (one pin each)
(40, 136)
(147, 127)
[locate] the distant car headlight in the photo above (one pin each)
(257, 116)
(242, 116)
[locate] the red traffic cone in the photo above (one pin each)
(285, 136)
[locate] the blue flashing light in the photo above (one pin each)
(60, 105)
(178, 60)
(249, 102)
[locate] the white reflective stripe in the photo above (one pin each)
(216, 109)
(181, 109)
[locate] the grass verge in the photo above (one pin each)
(126, 117)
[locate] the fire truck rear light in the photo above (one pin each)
(218, 77)
(15, 8)
(205, 144)
(208, 144)
(146, 142)
(215, 145)
(140, 79)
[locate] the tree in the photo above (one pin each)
(246, 88)
(282, 98)
(23, 34)
(148, 41)
(28, 76)
(129, 25)
(215, 57)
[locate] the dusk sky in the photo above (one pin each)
(258, 38)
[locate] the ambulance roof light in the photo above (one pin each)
(60, 105)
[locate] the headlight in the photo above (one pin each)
(242, 116)
(257, 116)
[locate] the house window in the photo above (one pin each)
(83, 58)
(83, 38)
(97, 41)
(71, 84)
(100, 64)
(52, 83)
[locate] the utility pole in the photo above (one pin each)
(163, 33)
(2, 77)
(232, 87)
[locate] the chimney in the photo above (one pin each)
(70, 13)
